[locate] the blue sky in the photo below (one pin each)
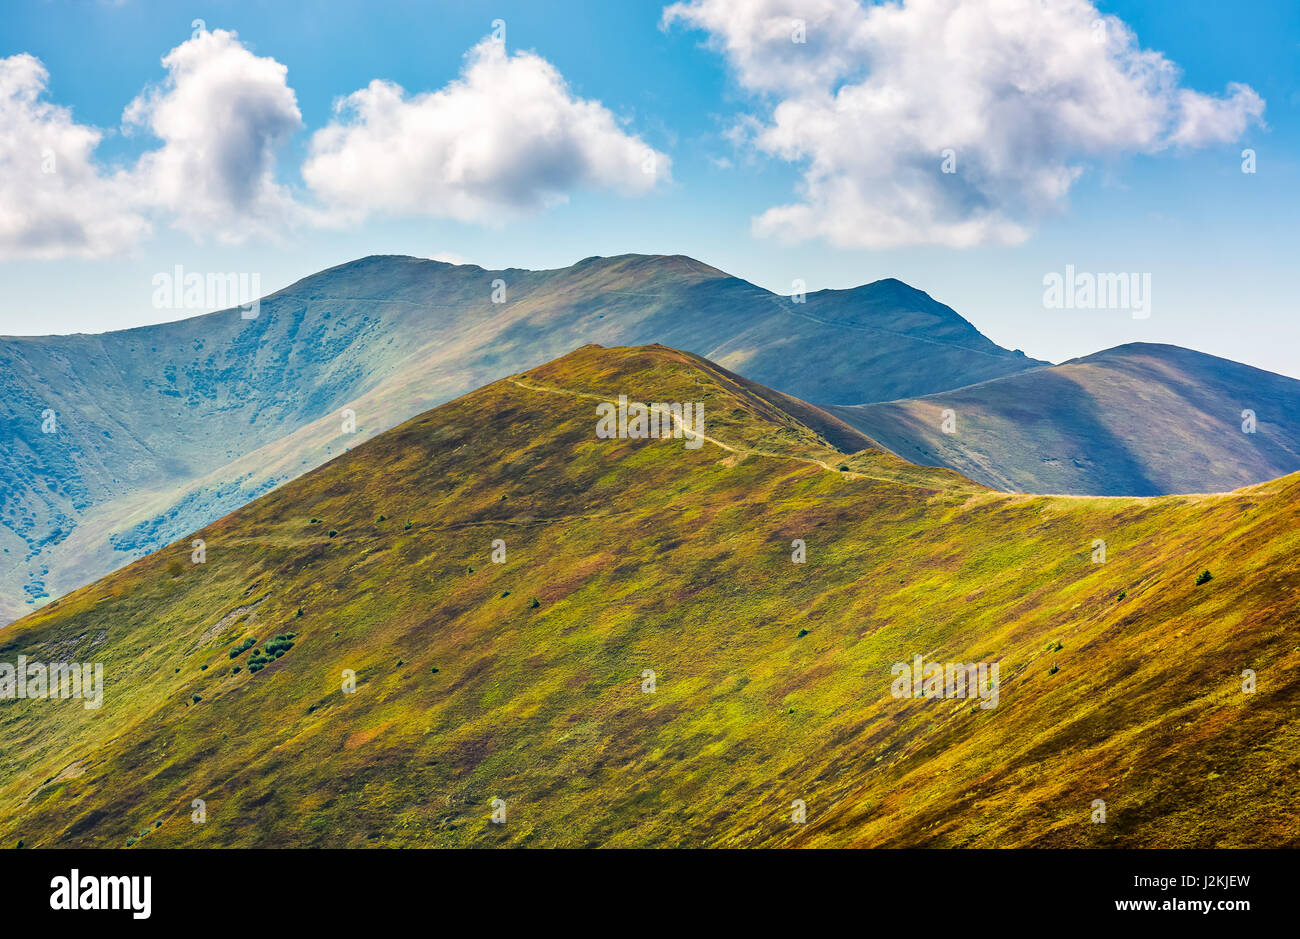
(1218, 243)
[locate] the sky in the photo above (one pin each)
(974, 150)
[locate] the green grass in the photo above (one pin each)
(646, 555)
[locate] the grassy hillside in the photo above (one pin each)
(162, 429)
(522, 681)
(1140, 419)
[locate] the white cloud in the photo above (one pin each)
(1023, 92)
(506, 137)
(222, 113)
(54, 200)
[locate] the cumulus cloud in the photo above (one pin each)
(1023, 94)
(506, 137)
(222, 114)
(55, 201)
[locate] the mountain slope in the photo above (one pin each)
(1139, 419)
(161, 429)
(523, 681)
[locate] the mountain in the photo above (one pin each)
(1139, 419)
(527, 681)
(159, 430)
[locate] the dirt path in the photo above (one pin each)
(742, 451)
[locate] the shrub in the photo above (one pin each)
(279, 645)
(434, 670)
(197, 698)
(299, 613)
(243, 647)
(1204, 577)
(802, 633)
(333, 532)
(505, 593)
(203, 668)
(535, 604)
(844, 467)
(1055, 668)
(383, 518)
(1122, 595)
(406, 526)
(237, 669)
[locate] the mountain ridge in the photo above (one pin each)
(1136, 419)
(155, 424)
(524, 681)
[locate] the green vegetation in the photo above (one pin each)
(647, 555)
(279, 645)
(247, 643)
(1204, 577)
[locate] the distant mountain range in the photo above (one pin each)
(162, 429)
(1138, 420)
(678, 647)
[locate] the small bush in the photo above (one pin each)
(535, 604)
(1055, 668)
(802, 633)
(406, 526)
(315, 521)
(197, 698)
(1204, 577)
(434, 670)
(203, 668)
(333, 532)
(237, 669)
(1122, 595)
(505, 593)
(243, 647)
(279, 645)
(844, 467)
(299, 613)
(383, 518)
